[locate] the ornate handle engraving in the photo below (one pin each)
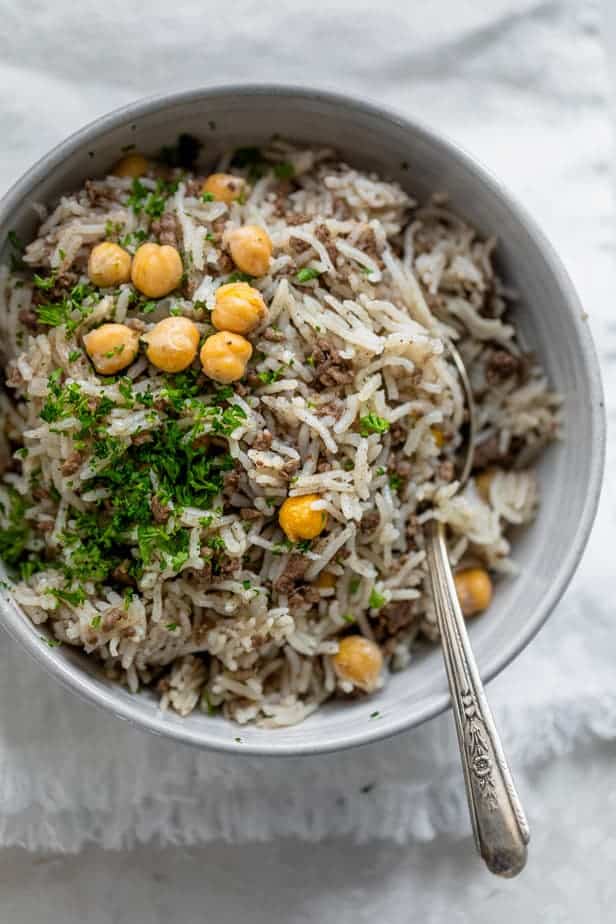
(499, 825)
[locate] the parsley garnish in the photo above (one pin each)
(307, 273)
(284, 170)
(239, 277)
(376, 600)
(96, 621)
(354, 585)
(74, 597)
(74, 355)
(372, 423)
(207, 196)
(71, 311)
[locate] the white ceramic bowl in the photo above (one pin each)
(549, 315)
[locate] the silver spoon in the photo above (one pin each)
(499, 825)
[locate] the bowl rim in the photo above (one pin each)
(77, 680)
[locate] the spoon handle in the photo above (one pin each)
(499, 825)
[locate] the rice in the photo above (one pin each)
(140, 513)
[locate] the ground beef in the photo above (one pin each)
(228, 566)
(121, 575)
(324, 235)
(401, 467)
(29, 318)
(306, 595)
(330, 368)
(136, 324)
(63, 283)
(366, 242)
(232, 480)
(298, 246)
(501, 365)
(262, 441)
(330, 409)
(290, 467)
(487, 452)
(294, 570)
(249, 513)
(397, 434)
(274, 336)
(446, 470)
(391, 619)
(225, 263)
(323, 466)
(167, 229)
(98, 194)
(193, 187)
(70, 465)
(412, 527)
(370, 521)
(160, 511)
(14, 378)
(296, 218)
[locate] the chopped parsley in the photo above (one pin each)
(271, 375)
(395, 482)
(133, 238)
(74, 355)
(246, 585)
(381, 470)
(151, 203)
(375, 715)
(71, 310)
(171, 626)
(239, 277)
(50, 642)
(74, 597)
(348, 617)
(307, 273)
(284, 170)
(44, 282)
(348, 465)
(14, 538)
(376, 599)
(354, 585)
(207, 197)
(95, 622)
(372, 423)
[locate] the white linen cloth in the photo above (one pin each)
(520, 83)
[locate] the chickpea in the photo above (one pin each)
(298, 520)
(359, 661)
(133, 165)
(474, 589)
(326, 581)
(172, 344)
(108, 265)
(111, 347)
(223, 187)
(157, 269)
(251, 249)
(239, 308)
(224, 357)
(483, 483)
